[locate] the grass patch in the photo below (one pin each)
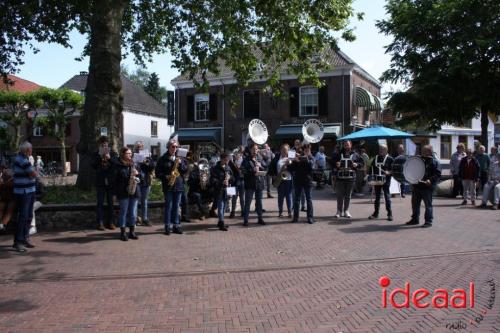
(66, 194)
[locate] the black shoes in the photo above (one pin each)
(167, 232)
(310, 221)
(261, 222)
(213, 213)
(245, 224)
(19, 247)
(185, 219)
(389, 217)
(132, 234)
(412, 222)
(123, 235)
(178, 230)
(373, 217)
(269, 196)
(427, 225)
(231, 216)
(222, 226)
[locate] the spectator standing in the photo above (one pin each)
(469, 173)
(456, 157)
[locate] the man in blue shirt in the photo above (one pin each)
(24, 192)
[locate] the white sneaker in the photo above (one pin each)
(347, 214)
(33, 230)
(2, 227)
(338, 215)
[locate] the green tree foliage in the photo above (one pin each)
(58, 108)
(154, 89)
(16, 107)
(245, 34)
(448, 52)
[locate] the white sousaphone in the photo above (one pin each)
(313, 130)
(257, 131)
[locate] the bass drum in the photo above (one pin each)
(397, 168)
(414, 169)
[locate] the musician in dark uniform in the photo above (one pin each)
(346, 162)
(423, 190)
(221, 177)
(171, 169)
(196, 190)
(235, 165)
(253, 184)
(101, 162)
(302, 168)
(384, 162)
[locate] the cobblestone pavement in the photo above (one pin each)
(280, 277)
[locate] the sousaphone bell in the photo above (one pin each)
(257, 131)
(313, 130)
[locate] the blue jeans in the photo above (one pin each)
(285, 193)
(144, 202)
(248, 201)
(240, 192)
(387, 198)
(24, 205)
(417, 195)
(105, 193)
(128, 208)
(195, 197)
(184, 204)
(172, 203)
(302, 197)
(221, 206)
(306, 189)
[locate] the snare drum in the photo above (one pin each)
(346, 174)
(376, 180)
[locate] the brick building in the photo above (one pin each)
(350, 98)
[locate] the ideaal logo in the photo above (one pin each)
(422, 298)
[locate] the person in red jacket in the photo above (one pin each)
(469, 172)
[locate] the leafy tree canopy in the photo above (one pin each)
(448, 52)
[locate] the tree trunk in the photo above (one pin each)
(63, 157)
(103, 95)
(17, 138)
(484, 126)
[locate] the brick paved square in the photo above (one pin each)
(280, 277)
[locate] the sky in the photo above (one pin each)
(54, 64)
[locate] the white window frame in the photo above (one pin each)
(154, 135)
(37, 131)
(202, 98)
(260, 101)
(300, 102)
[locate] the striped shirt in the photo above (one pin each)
(22, 168)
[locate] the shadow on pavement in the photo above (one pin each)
(16, 305)
(372, 228)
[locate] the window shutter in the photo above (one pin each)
(212, 107)
(323, 101)
(294, 102)
(190, 107)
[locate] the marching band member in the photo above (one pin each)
(125, 184)
(221, 177)
(146, 169)
(196, 190)
(423, 190)
(101, 163)
(348, 161)
(171, 169)
(302, 168)
(253, 184)
(267, 156)
(285, 187)
(297, 148)
(235, 165)
(384, 162)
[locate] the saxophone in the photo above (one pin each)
(132, 181)
(174, 174)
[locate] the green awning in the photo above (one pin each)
(363, 98)
(295, 132)
(378, 105)
(198, 134)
